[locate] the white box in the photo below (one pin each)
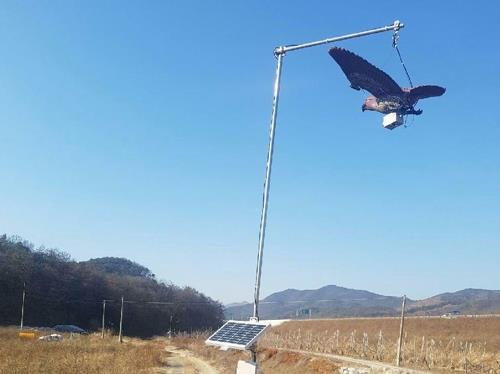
(246, 367)
(392, 120)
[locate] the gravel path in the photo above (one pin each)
(181, 361)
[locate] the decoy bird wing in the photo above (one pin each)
(364, 75)
(422, 92)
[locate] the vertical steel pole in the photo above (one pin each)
(22, 306)
(121, 323)
(401, 328)
(267, 181)
(253, 352)
(103, 314)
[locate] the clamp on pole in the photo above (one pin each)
(279, 51)
(397, 25)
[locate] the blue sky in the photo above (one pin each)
(139, 130)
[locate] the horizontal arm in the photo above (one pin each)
(282, 50)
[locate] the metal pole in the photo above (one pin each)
(253, 351)
(121, 323)
(395, 26)
(22, 306)
(103, 314)
(280, 53)
(267, 181)
(401, 327)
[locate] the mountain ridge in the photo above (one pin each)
(337, 301)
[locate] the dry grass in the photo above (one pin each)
(470, 345)
(225, 362)
(458, 344)
(271, 361)
(83, 354)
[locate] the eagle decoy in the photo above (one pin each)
(388, 96)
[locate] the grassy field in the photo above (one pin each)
(271, 361)
(470, 345)
(83, 354)
(457, 344)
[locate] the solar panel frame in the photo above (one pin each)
(237, 334)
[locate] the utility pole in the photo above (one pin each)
(121, 324)
(22, 306)
(170, 327)
(103, 314)
(401, 328)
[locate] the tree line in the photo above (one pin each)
(60, 290)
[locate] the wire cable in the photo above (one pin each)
(395, 41)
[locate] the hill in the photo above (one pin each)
(335, 301)
(120, 266)
(468, 301)
(62, 291)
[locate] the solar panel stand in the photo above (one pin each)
(253, 351)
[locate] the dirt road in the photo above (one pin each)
(373, 365)
(180, 361)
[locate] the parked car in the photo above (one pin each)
(69, 328)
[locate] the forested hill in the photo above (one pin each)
(62, 291)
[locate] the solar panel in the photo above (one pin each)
(237, 334)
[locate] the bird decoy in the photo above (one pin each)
(387, 96)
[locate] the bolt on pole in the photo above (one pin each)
(279, 53)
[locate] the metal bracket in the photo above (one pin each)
(279, 51)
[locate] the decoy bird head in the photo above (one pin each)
(369, 104)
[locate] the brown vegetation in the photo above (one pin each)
(463, 344)
(82, 354)
(459, 344)
(271, 361)
(429, 343)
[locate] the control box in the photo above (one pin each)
(392, 120)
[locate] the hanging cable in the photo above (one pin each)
(395, 40)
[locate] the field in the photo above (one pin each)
(465, 344)
(91, 354)
(457, 344)
(83, 354)
(470, 345)
(271, 361)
